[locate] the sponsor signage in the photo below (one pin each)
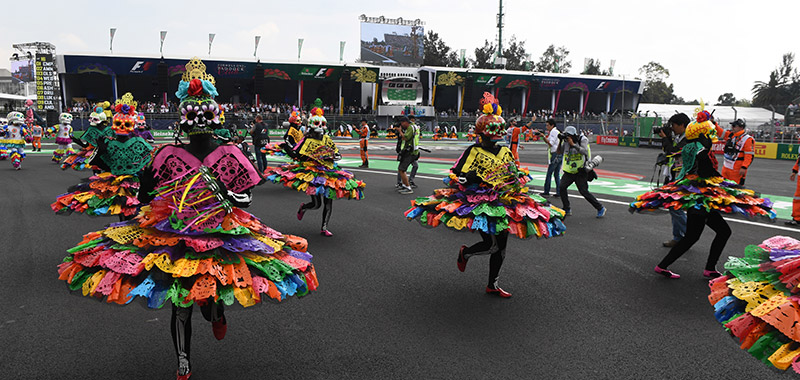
(46, 82)
(587, 84)
(787, 152)
(766, 150)
(629, 141)
(608, 140)
(718, 147)
(78, 64)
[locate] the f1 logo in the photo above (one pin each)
(137, 65)
(601, 86)
(491, 80)
(322, 72)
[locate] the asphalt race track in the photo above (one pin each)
(391, 302)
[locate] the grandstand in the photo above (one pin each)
(150, 78)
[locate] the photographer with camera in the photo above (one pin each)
(576, 151)
(672, 142)
(553, 157)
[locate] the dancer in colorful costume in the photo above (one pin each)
(98, 129)
(192, 244)
(3, 132)
(294, 134)
(316, 172)
(705, 195)
(756, 301)
(486, 193)
(63, 137)
(114, 187)
(14, 141)
(142, 130)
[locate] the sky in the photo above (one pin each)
(709, 47)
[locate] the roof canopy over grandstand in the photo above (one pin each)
(754, 116)
(99, 77)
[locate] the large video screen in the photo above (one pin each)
(386, 43)
(22, 69)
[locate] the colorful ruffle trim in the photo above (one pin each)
(58, 154)
(241, 260)
(16, 159)
(312, 179)
(63, 140)
(79, 160)
(757, 301)
(101, 195)
(481, 208)
(715, 193)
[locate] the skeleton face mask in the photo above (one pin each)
(15, 118)
(318, 123)
(199, 116)
(65, 118)
(123, 124)
(96, 119)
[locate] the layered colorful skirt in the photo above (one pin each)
(78, 160)
(714, 193)
(757, 301)
(478, 207)
(101, 195)
(312, 178)
(59, 153)
(179, 251)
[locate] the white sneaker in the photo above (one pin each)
(405, 190)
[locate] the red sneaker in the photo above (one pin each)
(220, 328)
(461, 261)
(185, 377)
(301, 212)
(499, 292)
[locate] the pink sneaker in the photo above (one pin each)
(711, 274)
(301, 212)
(667, 273)
(326, 233)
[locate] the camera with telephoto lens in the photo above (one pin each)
(593, 163)
(662, 128)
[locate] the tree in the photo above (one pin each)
(554, 60)
(484, 56)
(515, 54)
(656, 89)
(726, 99)
(770, 92)
(782, 87)
(437, 53)
(593, 68)
(654, 72)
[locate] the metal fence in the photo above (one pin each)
(615, 126)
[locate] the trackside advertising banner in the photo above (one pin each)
(607, 140)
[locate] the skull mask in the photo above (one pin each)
(15, 118)
(123, 124)
(65, 118)
(141, 124)
(318, 123)
(199, 115)
(491, 126)
(95, 119)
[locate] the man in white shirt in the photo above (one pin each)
(553, 157)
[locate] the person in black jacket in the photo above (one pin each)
(260, 135)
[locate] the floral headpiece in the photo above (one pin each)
(490, 123)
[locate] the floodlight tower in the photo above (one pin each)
(499, 56)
